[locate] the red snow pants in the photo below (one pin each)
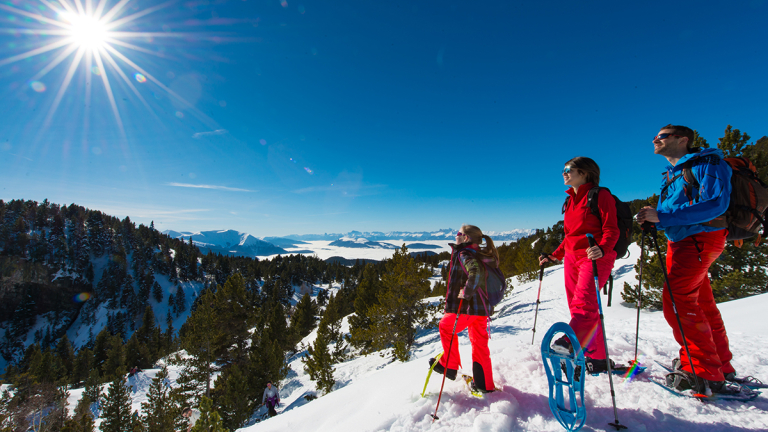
(688, 262)
(478, 337)
(581, 293)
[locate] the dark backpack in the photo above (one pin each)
(746, 212)
(623, 219)
(495, 283)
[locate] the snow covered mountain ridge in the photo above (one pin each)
(232, 238)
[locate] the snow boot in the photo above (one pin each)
(563, 346)
(683, 380)
(451, 374)
(597, 365)
(477, 389)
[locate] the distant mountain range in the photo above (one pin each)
(231, 242)
(235, 243)
(445, 234)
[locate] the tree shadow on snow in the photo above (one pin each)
(510, 309)
(598, 418)
(621, 271)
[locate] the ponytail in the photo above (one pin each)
(490, 249)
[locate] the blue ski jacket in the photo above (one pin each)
(682, 208)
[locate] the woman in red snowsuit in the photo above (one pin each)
(582, 174)
(467, 276)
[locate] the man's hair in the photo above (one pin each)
(682, 131)
(589, 167)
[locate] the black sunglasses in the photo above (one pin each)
(665, 135)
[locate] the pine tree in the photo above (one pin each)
(92, 389)
(82, 420)
(236, 395)
(117, 406)
(115, 363)
(318, 364)
(210, 420)
(65, 354)
(367, 296)
(161, 410)
(180, 305)
(330, 327)
(303, 319)
(267, 352)
(199, 335)
(157, 292)
(83, 365)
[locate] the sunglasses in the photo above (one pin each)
(460, 234)
(665, 135)
(567, 170)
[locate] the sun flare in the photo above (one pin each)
(86, 30)
(98, 38)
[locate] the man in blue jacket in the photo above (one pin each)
(685, 213)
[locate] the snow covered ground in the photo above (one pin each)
(373, 394)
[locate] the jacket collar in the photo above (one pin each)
(583, 190)
(458, 247)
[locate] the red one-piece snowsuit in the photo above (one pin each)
(580, 287)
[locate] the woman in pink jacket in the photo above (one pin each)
(582, 174)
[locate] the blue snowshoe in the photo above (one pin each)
(565, 374)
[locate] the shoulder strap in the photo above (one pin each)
(688, 173)
(663, 193)
(592, 201)
(565, 204)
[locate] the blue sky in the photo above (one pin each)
(279, 118)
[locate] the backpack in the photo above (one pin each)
(623, 219)
(495, 282)
(746, 212)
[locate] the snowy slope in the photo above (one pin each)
(373, 394)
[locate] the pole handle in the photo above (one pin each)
(591, 240)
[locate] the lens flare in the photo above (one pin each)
(179, 114)
(308, 170)
(82, 297)
(263, 141)
(140, 78)
(96, 71)
(37, 86)
(284, 3)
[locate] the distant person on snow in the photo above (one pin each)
(467, 276)
(683, 212)
(192, 416)
(271, 398)
(582, 174)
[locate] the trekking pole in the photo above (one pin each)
(536, 315)
(448, 357)
(639, 302)
(672, 298)
(617, 425)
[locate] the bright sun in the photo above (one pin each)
(92, 34)
(86, 31)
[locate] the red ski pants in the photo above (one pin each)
(581, 292)
(478, 337)
(688, 262)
